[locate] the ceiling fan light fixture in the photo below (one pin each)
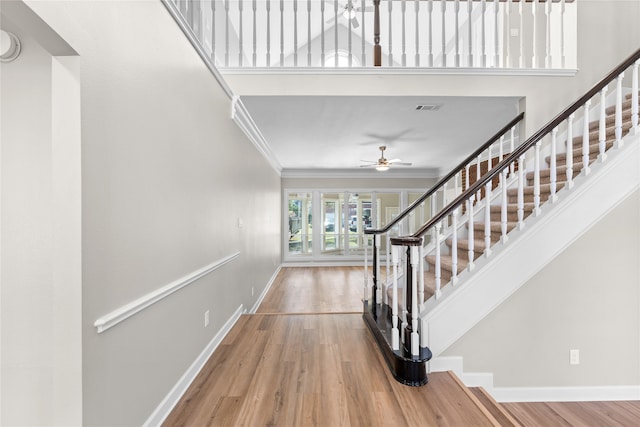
(382, 168)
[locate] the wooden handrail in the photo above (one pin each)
(447, 177)
(524, 147)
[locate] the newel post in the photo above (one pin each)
(411, 337)
(377, 49)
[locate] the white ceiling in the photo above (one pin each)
(328, 133)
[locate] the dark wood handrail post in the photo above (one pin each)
(374, 289)
(408, 329)
(377, 49)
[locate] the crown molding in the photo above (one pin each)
(358, 173)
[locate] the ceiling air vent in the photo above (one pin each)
(429, 107)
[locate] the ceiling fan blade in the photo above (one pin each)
(401, 163)
(394, 161)
(369, 161)
(369, 166)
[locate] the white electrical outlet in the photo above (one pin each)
(206, 318)
(574, 357)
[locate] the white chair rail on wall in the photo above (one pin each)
(432, 34)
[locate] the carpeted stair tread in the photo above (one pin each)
(528, 189)
(594, 150)
(495, 226)
(478, 246)
(626, 104)
(611, 118)
(594, 135)
(561, 173)
(512, 207)
(446, 263)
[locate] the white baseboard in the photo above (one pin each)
(173, 397)
(455, 364)
(265, 290)
(565, 394)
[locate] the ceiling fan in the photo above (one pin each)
(349, 11)
(383, 164)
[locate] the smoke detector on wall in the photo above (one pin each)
(9, 46)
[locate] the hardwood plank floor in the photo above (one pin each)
(576, 414)
(314, 370)
(315, 290)
(307, 359)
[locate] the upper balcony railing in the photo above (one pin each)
(436, 34)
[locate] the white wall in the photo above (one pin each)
(40, 332)
(165, 177)
(587, 299)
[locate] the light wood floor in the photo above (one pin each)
(307, 359)
(315, 290)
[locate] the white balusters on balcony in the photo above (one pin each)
(414, 33)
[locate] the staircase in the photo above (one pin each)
(479, 246)
(446, 276)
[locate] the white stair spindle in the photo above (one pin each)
(552, 166)
(433, 204)
(322, 50)
(226, 33)
(456, 12)
(443, 9)
(536, 179)
(547, 57)
(395, 333)
(634, 97)
(388, 253)
(507, 35)
(363, 33)
(350, 33)
(618, 142)
(240, 33)
(483, 14)
(521, 35)
(268, 33)
(454, 246)
(335, 32)
(416, 5)
(213, 32)
(308, 33)
(487, 219)
(282, 33)
(403, 10)
(602, 134)
(496, 34)
(421, 275)
(444, 194)
(585, 140)
(470, 232)
(521, 175)
(470, 35)
(438, 269)
(534, 36)
(295, 33)
(390, 3)
(512, 148)
(415, 339)
(254, 55)
(478, 194)
(504, 214)
(570, 151)
(501, 149)
(562, 56)
(467, 182)
(430, 33)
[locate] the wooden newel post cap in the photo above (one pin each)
(406, 241)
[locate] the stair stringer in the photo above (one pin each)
(513, 263)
